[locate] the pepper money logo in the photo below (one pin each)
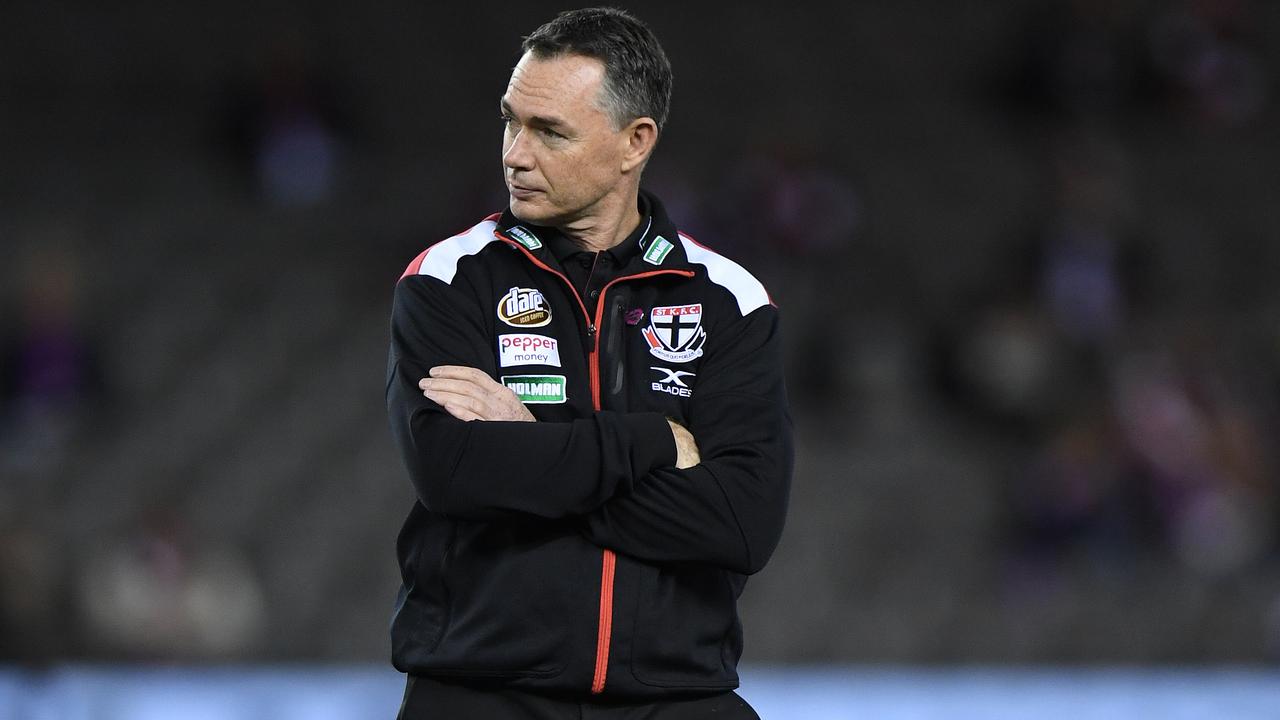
(675, 333)
(537, 389)
(524, 308)
(528, 349)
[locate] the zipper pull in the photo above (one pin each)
(591, 330)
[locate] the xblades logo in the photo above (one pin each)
(672, 382)
(673, 376)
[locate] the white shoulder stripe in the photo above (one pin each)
(441, 260)
(722, 271)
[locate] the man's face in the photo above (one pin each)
(560, 152)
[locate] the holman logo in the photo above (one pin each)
(524, 237)
(657, 251)
(675, 333)
(524, 308)
(537, 389)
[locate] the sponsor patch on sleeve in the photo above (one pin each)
(537, 389)
(528, 349)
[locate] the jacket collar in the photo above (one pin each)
(658, 240)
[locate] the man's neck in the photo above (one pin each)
(609, 225)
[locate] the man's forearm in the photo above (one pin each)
(726, 511)
(490, 469)
(687, 516)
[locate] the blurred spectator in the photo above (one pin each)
(786, 204)
(1005, 364)
(1089, 260)
(785, 211)
(1198, 447)
(1077, 496)
(51, 378)
(1201, 51)
(289, 127)
(813, 211)
(1037, 335)
(158, 594)
(1098, 61)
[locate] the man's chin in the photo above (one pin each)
(532, 211)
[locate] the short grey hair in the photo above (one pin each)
(637, 74)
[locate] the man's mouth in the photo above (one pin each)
(522, 193)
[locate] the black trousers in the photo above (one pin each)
(428, 699)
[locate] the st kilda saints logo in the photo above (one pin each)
(524, 308)
(675, 333)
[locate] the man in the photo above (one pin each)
(590, 407)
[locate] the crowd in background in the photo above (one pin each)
(1113, 372)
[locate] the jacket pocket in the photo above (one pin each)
(509, 608)
(422, 606)
(687, 633)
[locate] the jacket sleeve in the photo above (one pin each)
(493, 469)
(727, 511)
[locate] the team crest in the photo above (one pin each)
(675, 333)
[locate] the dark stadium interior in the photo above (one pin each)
(1025, 254)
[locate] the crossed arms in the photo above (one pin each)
(636, 483)
(469, 394)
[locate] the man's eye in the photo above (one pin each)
(548, 132)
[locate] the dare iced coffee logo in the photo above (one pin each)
(524, 307)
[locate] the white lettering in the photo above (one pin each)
(678, 310)
(524, 307)
(671, 390)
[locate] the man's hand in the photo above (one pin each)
(469, 394)
(686, 449)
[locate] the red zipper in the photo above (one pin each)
(609, 562)
(604, 632)
(594, 366)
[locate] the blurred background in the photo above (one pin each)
(1026, 255)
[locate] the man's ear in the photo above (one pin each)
(641, 136)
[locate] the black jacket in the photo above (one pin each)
(569, 555)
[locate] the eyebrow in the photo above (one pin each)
(540, 120)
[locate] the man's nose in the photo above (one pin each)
(517, 155)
